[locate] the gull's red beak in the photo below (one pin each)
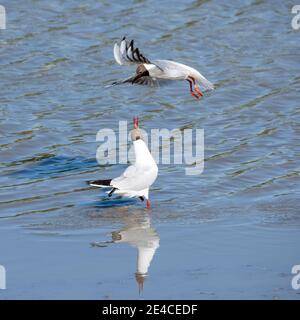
(136, 122)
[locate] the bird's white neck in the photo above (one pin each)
(141, 151)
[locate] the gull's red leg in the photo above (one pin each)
(191, 89)
(200, 93)
(196, 88)
(148, 204)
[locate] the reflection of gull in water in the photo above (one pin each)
(139, 234)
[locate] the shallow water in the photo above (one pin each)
(232, 232)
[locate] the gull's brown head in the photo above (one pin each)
(141, 70)
(136, 133)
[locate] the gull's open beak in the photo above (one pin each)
(135, 122)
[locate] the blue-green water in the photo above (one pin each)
(232, 232)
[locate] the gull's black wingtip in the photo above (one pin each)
(99, 182)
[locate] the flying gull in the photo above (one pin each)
(151, 72)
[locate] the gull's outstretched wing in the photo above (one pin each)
(126, 53)
(146, 81)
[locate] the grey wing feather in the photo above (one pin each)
(146, 81)
(126, 179)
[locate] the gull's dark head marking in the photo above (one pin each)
(141, 70)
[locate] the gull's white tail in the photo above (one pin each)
(204, 82)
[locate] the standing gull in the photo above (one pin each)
(150, 72)
(137, 178)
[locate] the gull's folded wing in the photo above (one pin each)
(126, 178)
